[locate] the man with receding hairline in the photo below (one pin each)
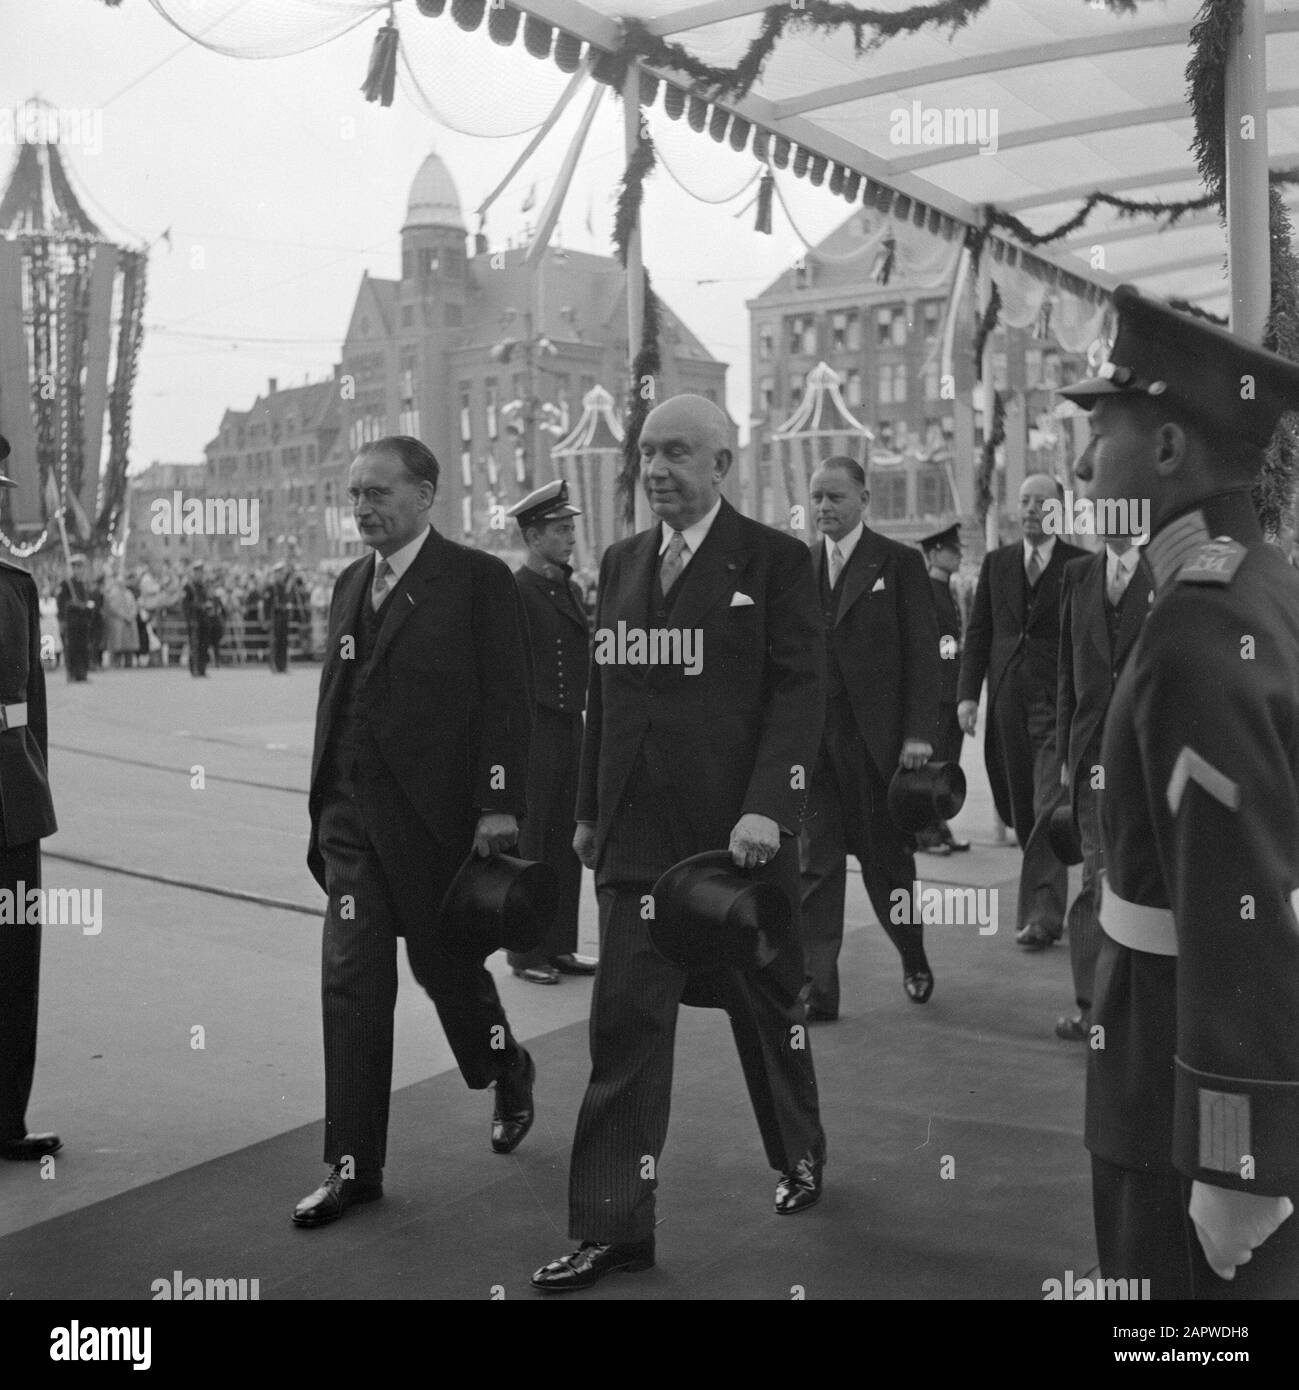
(421, 756)
(1013, 640)
(675, 764)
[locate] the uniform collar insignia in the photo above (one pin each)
(1171, 547)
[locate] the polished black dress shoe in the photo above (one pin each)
(512, 1118)
(815, 1015)
(333, 1197)
(31, 1146)
(800, 1189)
(919, 985)
(591, 1263)
(1073, 1028)
(539, 975)
(575, 965)
(939, 847)
(1034, 937)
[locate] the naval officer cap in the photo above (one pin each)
(948, 535)
(548, 503)
(1219, 379)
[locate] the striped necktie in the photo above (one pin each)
(383, 576)
(672, 564)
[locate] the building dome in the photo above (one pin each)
(434, 200)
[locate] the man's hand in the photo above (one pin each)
(495, 833)
(754, 841)
(1231, 1225)
(915, 753)
(967, 715)
(584, 843)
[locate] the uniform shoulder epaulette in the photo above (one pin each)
(1216, 562)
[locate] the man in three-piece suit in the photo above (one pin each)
(1103, 602)
(26, 816)
(942, 552)
(420, 756)
(883, 678)
(1013, 640)
(561, 659)
(677, 760)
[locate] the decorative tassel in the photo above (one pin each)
(902, 208)
(468, 14)
(817, 172)
(717, 125)
(568, 52)
(649, 88)
(801, 160)
(381, 80)
(604, 69)
(918, 214)
(851, 183)
(503, 24)
(740, 133)
(674, 101)
(935, 221)
(837, 176)
(761, 144)
(780, 155)
(765, 189)
(431, 8)
(697, 114)
(537, 35)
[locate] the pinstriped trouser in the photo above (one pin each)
(1084, 912)
(624, 1118)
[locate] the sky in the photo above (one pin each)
(280, 185)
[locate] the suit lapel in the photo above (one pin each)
(859, 575)
(413, 589)
(1133, 609)
(1093, 597)
(1014, 582)
(631, 603)
(711, 572)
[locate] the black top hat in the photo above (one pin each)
(1200, 366)
(919, 796)
(1062, 832)
(708, 913)
(498, 902)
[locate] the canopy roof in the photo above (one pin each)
(1083, 99)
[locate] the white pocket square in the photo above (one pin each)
(739, 600)
(878, 585)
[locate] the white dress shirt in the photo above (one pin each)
(846, 545)
(401, 560)
(693, 535)
(1044, 551)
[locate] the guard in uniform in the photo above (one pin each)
(942, 552)
(279, 603)
(561, 657)
(196, 603)
(26, 815)
(1193, 1082)
(76, 607)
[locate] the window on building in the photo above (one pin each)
(767, 394)
(466, 424)
(492, 405)
(766, 342)
(933, 319)
(899, 382)
(933, 380)
(885, 384)
(932, 492)
(809, 336)
(889, 495)
(1051, 376)
(852, 389)
(795, 388)
(803, 275)
(466, 468)
(1032, 367)
(883, 327)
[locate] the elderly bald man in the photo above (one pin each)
(1013, 641)
(676, 763)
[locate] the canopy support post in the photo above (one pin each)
(1245, 130)
(635, 264)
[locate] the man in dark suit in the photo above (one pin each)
(1013, 639)
(882, 682)
(1193, 1101)
(26, 815)
(76, 602)
(1104, 600)
(280, 607)
(942, 552)
(196, 603)
(711, 750)
(561, 661)
(420, 757)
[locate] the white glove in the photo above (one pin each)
(1231, 1225)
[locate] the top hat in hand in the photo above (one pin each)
(920, 796)
(498, 902)
(708, 913)
(1062, 832)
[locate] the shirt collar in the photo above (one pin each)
(401, 560)
(694, 535)
(1126, 562)
(1044, 549)
(847, 544)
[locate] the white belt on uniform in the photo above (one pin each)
(1136, 927)
(13, 716)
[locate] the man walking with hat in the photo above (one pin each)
(26, 816)
(883, 680)
(280, 605)
(420, 757)
(1013, 640)
(1193, 1100)
(560, 642)
(683, 757)
(76, 603)
(196, 604)
(942, 552)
